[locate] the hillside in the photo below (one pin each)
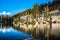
(40, 8)
(38, 20)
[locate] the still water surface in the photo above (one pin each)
(13, 34)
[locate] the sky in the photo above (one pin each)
(11, 7)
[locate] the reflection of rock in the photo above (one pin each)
(38, 28)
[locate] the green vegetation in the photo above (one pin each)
(35, 13)
(37, 10)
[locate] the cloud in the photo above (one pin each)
(5, 13)
(8, 13)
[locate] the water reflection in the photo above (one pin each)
(6, 30)
(12, 34)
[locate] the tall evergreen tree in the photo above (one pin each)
(46, 15)
(36, 10)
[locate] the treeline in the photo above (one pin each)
(37, 10)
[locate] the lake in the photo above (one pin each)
(13, 34)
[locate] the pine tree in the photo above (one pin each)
(36, 10)
(46, 15)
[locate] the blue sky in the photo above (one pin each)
(15, 6)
